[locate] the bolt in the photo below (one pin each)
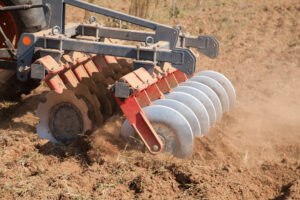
(155, 147)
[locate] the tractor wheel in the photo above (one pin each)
(14, 24)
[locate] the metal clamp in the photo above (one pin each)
(149, 41)
(179, 27)
(93, 19)
(56, 30)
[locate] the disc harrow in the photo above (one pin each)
(79, 85)
(166, 103)
(197, 102)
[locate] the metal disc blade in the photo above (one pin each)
(224, 81)
(179, 126)
(195, 105)
(210, 93)
(215, 86)
(42, 128)
(203, 98)
(184, 110)
(61, 112)
(91, 100)
(127, 133)
(173, 128)
(99, 89)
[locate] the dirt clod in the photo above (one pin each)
(137, 185)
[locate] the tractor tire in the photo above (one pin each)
(29, 21)
(18, 22)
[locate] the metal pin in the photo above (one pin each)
(155, 147)
(138, 52)
(154, 54)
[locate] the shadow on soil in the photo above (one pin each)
(17, 109)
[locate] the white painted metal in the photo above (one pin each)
(210, 93)
(196, 106)
(184, 110)
(203, 98)
(224, 81)
(215, 86)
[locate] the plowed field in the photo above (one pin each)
(254, 153)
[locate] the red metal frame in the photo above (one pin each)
(60, 76)
(133, 112)
(147, 89)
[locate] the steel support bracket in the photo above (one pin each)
(56, 15)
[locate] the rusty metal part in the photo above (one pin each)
(127, 66)
(82, 91)
(65, 122)
(100, 91)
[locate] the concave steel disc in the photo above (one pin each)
(171, 126)
(62, 117)
(215, 86)
(184, 110)
(224, 81)
(210, 93)
(195, 105)
(203, 98)
(91, 100)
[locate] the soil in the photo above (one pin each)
(254, 153)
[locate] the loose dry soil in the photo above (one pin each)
(254, 153)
